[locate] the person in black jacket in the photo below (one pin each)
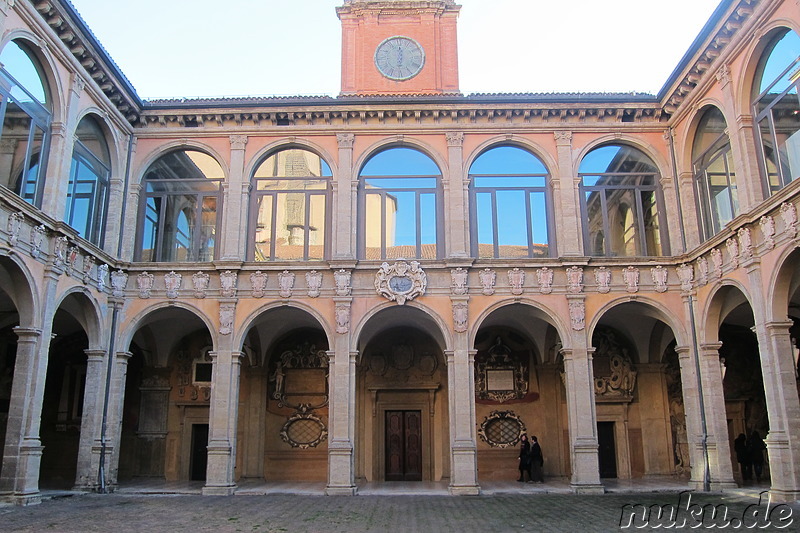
(524, 458)
(537, 460)
(756, 448)
(743, 457)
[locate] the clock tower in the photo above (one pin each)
(399, 47)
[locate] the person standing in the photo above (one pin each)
(756, 448)
(743, 457)
(524, 458)
(537, 461)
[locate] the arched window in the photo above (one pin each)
(399, 206)
(25, 114)
(621, 203)
(509, 204)
(714, 176)
(777, 109)
(87, 195)
(289, 215)
(181, 208)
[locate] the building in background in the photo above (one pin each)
(396, 283)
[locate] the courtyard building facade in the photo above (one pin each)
(396, 283)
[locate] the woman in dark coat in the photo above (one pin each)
(537, 460)
(743, 457)
(756, 448)
(524, 458)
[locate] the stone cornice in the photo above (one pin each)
(361, 8)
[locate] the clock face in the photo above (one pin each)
(400, 284)
(399, 58)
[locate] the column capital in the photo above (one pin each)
(563, 138)
(96, 355)
(710, 348)
(124, 357)
(345, 140)
(455, 139)
(777, 327)
(238, 142)
(27, 334)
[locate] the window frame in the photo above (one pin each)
(96, 226)
(710, 225)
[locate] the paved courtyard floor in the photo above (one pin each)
(499, 512)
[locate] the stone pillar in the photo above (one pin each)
(581, 409)
(456, 199)
(783, 407)
(223, 418)
(345, 196)
(566, 200)
(654, 415)
(719, 450)
(342, 385)
(689, 203)
(234, 209)
(89, 447)
(116, 406)
(694, 422)
(461, 406)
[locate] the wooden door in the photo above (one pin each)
(199, 459)
(607, 451)
(403, 446)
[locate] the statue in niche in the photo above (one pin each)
(677, 414)
(301, 378)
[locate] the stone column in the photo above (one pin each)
(223, 418)
(581, 409)
(461, 407)
(89, 447)
(456, 199)
(689, 203)
(342, 385)
(345, 196)
(22, 452)
(694, 422)
(116, 406)
(566, 198)
(234, 208)
(783, 407)
(719, 450)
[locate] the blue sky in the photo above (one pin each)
(186, 48)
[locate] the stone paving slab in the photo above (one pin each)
(330, 514)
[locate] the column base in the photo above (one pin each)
(587, 488)
(784, 496)
(718, 486)
(227, 490)
(464, 490)
(341, 491)
(22, 499)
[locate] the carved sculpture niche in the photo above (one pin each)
(614, 373)
(502, 374)
(194, 373)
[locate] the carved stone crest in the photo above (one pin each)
(286, 283)
(172, 282)
(37, 239)
(602, 277)
(72, 259)
(14, 226)
(516, 279)
(227, 284)
(789, 216)
(574, 279)
(401, 281)
(745, 242)
(631, 277)
(716, 258)
(487, 277)
(144, 282)
(544, 276)
(615, 376)
(458, 281)
(258, 283)
(686, 275)
(733, 251)
(500, 374)
(200, 284)
(119, 280)
(88, 263)
(577, 314)
(60, 251)
(342, 318)
(342, 279)
(702, 269)
(226, 314)
(314, 282)
(659, 275)
(767, 224)
(102, 275)
(460, 316)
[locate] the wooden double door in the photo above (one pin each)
(403, 445)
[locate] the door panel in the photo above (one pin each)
(403, 446)
(199, 458)
(607, 452)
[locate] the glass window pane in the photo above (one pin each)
(483, 206)
(427, 220)
(373, 224)
(777, 58)
(616, 158)
(652, 233)
(622, 223)
(316, 227)
(263, 235)
(400, 162)
(538, 217)
(512, 227)
(149, 233)
(208, 224)
(768, 152)
(400, 183)
(595, 224)
(176, 241)
(510, 181)
(401, 228)
(786, 117)
(293, 163)
(507, 160)
(22, 66)
(92, 138)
